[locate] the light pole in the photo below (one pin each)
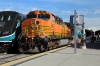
(75, 35)
(78, 20)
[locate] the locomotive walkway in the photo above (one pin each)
(67, 57)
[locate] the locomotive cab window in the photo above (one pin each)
(44, 16)
(31, 16)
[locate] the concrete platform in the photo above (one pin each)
(66, 57)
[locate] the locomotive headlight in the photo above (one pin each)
(5, 44)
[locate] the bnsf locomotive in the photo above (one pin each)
(10, 28)
(42, 31)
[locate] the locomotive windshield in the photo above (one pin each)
(44, 16)
(31, 16)
(6, 17)
(9, 22)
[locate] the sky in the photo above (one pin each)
(62, 8)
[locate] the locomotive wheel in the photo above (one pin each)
(55, 45)
(23, 47)
(50, 44)
(21, 50)
(39, 47)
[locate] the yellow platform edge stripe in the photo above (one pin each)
(30, 57)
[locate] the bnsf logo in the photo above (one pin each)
(32, 28)
(29, 28)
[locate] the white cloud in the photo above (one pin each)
(84, 11)
(28, 8)
(8, 9)
(67, 12)
(97, 11)
(89, 22)
(34, 8)
(66, 20)
(92, 22)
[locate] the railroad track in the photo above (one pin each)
(4, 58)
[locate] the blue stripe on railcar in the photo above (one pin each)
(7, 38)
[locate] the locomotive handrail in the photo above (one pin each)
(19, 37)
